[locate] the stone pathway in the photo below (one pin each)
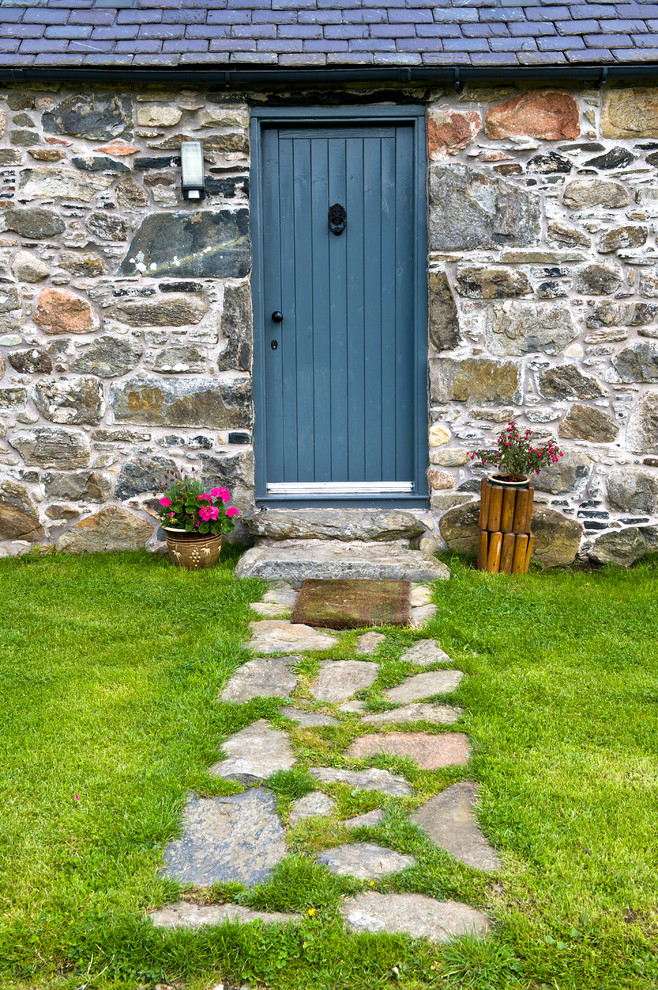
(262, 677)
(238, 838)
(241, 837)
(425, 685)
(449, 821)
(414, 915)
(418, 712)
(254, 754)
(365, 780)
(184, 915)
(429, 751)
(280, 636)
(315, 803)
(338, 680)
(364, 861)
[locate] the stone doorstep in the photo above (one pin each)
(295, 560)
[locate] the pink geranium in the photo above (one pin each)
(165, 501)
(232, 511)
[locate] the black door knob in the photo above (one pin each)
(277, 316)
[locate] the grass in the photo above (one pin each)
(110, 668)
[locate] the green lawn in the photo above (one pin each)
(110, 667)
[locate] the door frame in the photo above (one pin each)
(413, 116)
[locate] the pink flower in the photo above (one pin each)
(165, 501)
(171, 515)
(204, 496)
(216, 492)
(232, 511)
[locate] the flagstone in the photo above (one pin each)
(315, 803)
(421, 594)
(364, 860)
(353, 707)
(369, 819)
(186, 915)
(373, 779)
(449, 821)
(254, 753)
(338, 680)
(262, 677)
(271, 610)
(417, 712)
(425, 685)
(369, 642)
(285, 595)
(234, 838)
(414, 915)
(422, 614)
(424, 653)
(309, 719)
(280, 636)
(427, 750)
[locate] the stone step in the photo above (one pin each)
(295, 560)
(333, 524)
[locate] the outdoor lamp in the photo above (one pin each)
(192, 178)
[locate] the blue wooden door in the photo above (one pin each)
(339, 367)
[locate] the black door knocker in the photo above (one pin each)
(337, 219)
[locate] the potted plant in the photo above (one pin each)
(516, 457)
(193, 521)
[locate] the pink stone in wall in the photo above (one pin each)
(59, 311)
(450, 131)
(549, 114)
(118, 149)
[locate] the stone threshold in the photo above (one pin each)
(369, 525)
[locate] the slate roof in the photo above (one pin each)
(316, 33)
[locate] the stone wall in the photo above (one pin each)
(544, 302)
(125, 312)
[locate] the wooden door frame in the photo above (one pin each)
(415, 116)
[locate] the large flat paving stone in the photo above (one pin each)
(284, 595)
(315, 803)
(338, 680)
(281, 636)
(424, 653)
(271, 610)
(307, 719)
(364, 860)
(254, 753)
(239, 837)
(262, 677)
(369, 642)
(414, 915)
(419, 711)
(424, 685)
(184, 915)
(422, 614)
(295, 560)
(429, 751)
(449, 821)
(369, 819)
(365, 780)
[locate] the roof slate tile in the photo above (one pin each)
(320, 32)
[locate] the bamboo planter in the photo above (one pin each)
(505, 540)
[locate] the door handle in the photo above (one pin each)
(277, 316)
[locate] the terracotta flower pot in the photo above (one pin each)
(194, 551)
